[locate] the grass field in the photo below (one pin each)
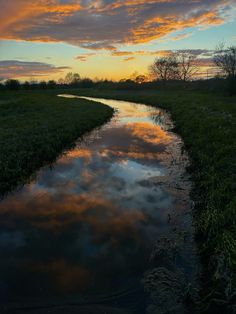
(207, 125)
(35, 127)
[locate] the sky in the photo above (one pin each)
(112, 39)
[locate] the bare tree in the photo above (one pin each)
(187, 68)
(225, 60)
(72, 78)
(140, 79)
(61, 81)
(178, 66)
(12, 84)
(165, 68)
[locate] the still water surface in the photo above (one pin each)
(86, 229)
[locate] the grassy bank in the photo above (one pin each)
(206, 122)
(35, 127)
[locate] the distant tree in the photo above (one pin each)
(132, 76)
(42, 85)
(140, 79)
(26, 85)
(61, 81)
(129, 81)
(187, 68)
(33, 83)
(86, 83)
(225, 60)
(72, 78)
(12, 84)
(51, 84)
(125, 80)
(76, 79)
(68, 78)
(165, 68)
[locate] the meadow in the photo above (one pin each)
(36, 127)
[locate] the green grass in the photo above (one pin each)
(35, 127)
(207, 124)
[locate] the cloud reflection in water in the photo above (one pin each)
(89, 224)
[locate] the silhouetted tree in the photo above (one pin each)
(225, 60)
(33, 84)
(178, 66)
(187, 67)
(86, 83)
(51, 84)
(12, 84)
(26, 85)
(140, 79)
(72, 78)
(165, 68)
(61, 81)
(42, 85)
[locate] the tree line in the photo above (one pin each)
(70, 80)
(176, 67)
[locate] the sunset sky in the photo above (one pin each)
(45, 39)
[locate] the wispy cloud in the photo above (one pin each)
(128, 59)
(123, 53)
(201, 53)
(181, 36)
(99, 24)
(84, 57)
(17, 69)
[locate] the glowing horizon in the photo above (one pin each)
(107, 39)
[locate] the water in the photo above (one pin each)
(89, 230)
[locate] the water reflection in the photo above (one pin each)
(86, 227)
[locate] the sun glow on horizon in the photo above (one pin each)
(106, 40)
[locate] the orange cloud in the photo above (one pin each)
(149, 132)
(158, 26)
(56, 214)
(102, 24)
(137, 155)
(19, 12)
(181, 36)
(129, 59)
(84, 57)
(148, 141)
(79, 153)
(157, 53)
(121, 53)
(164, 53)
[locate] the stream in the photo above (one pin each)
(107, 228)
